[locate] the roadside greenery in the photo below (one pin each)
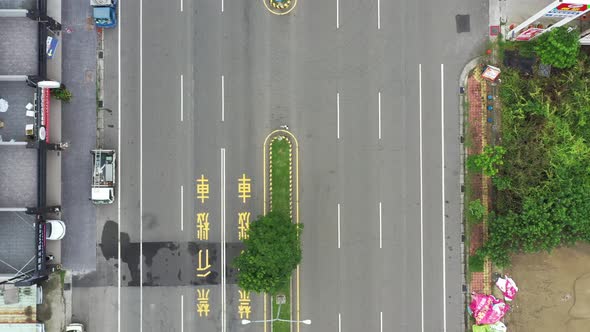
(476, 211)
(488, 161)
(558, 47)
(542, 185)
(62, 94)
(476, 262)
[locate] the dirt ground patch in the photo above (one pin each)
(554, 291)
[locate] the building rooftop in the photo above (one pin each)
(15, 119)
(18, 4)
(18, 42)
(17, 243)
(18, 177)
(18, 304)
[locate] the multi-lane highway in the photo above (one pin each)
(369, 88)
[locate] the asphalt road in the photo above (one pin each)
(375, 109)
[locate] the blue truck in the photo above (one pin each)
(104, 13)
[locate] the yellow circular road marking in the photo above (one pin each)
(277, 12)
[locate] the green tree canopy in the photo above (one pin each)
(273, 251)
(558, 47)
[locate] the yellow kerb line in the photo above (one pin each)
(296, 206)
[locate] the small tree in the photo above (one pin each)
(559, 47)
(488, 161)
(273, 251)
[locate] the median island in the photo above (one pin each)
(272, 247)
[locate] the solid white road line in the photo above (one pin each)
(223, 289)
(380, 226)
(378, 14)
(338, 115)
(421, 203)
(338, 225)
(181, 98)
(379, 97)
(119, 169)
(181, 313)
(181, 207)
(381, 320)
(442, 140)
(337, 14)
(140, 165)
(181, 6)
(222, 98)
(222, 6)
(339, 323)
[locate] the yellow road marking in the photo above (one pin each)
(296, 208)
(279, 13)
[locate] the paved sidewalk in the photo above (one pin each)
(79, 128)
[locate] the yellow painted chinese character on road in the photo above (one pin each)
(203, 302)
(244, 187)
(243, 225)
(201, 267)
(203, 226)
(244, 308)
(202, 188)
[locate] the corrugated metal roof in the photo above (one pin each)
(24, 310)
(33, 327)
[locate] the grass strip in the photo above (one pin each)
(281, 202)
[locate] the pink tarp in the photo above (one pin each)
(486, 309)
(508, 287)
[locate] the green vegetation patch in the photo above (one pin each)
(281, 176)
(285, 311)
(542, 186)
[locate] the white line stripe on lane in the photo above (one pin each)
(442, 140)
(223, 289)
(380, 226)
(338, 225)
(421, 204)
(339, 323)
(140, 165)
(181, 98)
(381, 320)
(119, 170)
(222, 6)
(378, 14)
(338, 115)
(181, 6)
(182, 208)
(337, 14)
(222, 98)
(379, 99)
(181, 313)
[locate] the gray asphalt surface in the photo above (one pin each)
(288, 70)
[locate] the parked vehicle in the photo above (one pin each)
(75, 327)
(104, 13)
(103, 176)
(55, 229)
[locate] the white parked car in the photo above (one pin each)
(55, 230)
(75, 327)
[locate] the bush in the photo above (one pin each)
(476, 211)
(488, 161)
(558, 47)
(62, 94)
(476, 262)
